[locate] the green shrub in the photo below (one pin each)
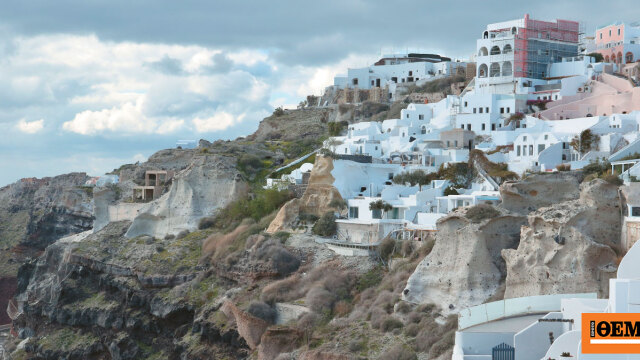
(263, 311)
(279, 111)
(206, 222)
(307, 218)
(613, 179)
(390, 323)
(387, 248)
(282, 236)
(399, 352)
(335, 128)
(326, 225)
(481, 212)
(441, 346)
(450, 190)
(262, 204)
(370, 279)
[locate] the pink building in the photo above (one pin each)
(618, 43)
(524, 48)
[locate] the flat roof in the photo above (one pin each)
(511, 324)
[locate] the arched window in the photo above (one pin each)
(613, 58)
(485, 35)
(514, 30)
(606, 58)
(424, 130)
(619, 57)
(507, 49)
(507, 68)
(483, 70)
(495, 50)
(494, 70)
(629, 57)
(483, 51)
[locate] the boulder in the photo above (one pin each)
(569, 247)
(286, 217)
(465, 267)
(540, 190)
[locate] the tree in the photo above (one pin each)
(380, 205)
(585, 142)
(599, 58)
(279, 111)
(418, 177)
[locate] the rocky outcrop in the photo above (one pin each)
(276, 341)
(286, 216)
(317, 198)
(568, 247)
(250, 327)
(320, 191)
(540, 190)
(465, 267)
(293, 125)
(206, 185)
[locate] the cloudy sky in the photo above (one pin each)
(89, 85)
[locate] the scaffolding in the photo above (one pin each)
(539, 43)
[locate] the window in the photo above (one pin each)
(508, 110)
(524, 150)
(480, 110)
(493, 127)
(618, 31)
(390, 176)
(420, 117)
(501, 110)
(462, 126)
(407, 116)
(540, 148)
(635, 211)
(353, 212)
(376, 214)
(410, 73)
(518, 150)
(474, 110)
(524, 138)
(546, 137)
(609, 32)
(455, 143)
(448, 143)
(465, 104)
(355, 81)
(600, 36)
(486, 110)
(530, 150)
(468, 126)
(483, 126)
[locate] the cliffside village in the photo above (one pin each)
(535, 90)
(538, 96)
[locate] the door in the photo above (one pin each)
(503, 352)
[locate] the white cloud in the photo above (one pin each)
(30, 127)
(126, 119)
(217, 122)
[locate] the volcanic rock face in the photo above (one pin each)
(206, 185)
(540, 190)
(33, 214)
(465, 267)
(320, 192)
(316, 199)
(569, 247)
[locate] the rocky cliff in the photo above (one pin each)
(34, 213)
(568, 247)
(553, 234)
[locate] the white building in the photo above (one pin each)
(547, 326)
(398, 69)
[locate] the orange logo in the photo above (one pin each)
(611, 333)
